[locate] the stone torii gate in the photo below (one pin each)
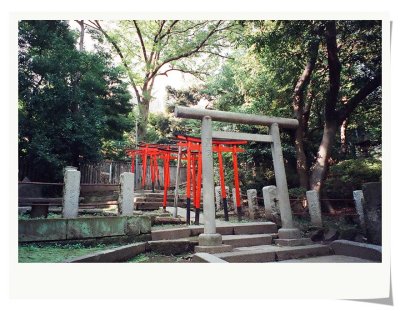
(210, 241)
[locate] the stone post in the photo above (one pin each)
(288, 231)
(234, 200)
(252, 202)
(72, 179)
(372, 192)
(269, 196)
(218, 197)
(358, 197)
(209, 241)
(125, 199)
(314, 208)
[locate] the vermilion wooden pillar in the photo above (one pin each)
(153, 171)
(198, 190)
(222, 183)
(188, 169)
(236, 180)
(144, 166)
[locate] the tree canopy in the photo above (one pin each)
(71, 103)
(152, 48)
(76, 105)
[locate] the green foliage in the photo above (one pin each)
(260, 78)
(297, 193)
(71, 103)
(349, 175)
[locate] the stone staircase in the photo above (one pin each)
(251, 242)
(150, 201)
(256, 242)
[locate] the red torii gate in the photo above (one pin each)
(190, 148)
(193, 144)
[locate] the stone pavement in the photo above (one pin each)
(328, 259)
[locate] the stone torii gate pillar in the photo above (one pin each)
(288, 231)
(210, 241)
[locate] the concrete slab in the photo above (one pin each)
(221, 229)
(225, 229)
(207, 258)
(328, 259)
(119, 254)
(247, 240)
(255, 228)
(285, 253)
(355, 249)
(293, 242)
(213, 249)
(170, 234)
(267, 253)
(247, 256)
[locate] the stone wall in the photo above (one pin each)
(41, 230)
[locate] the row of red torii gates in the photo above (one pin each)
(188, 148)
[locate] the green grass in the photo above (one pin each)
(152, 257)
(55, 253)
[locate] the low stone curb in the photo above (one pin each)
(355, 249)
(59, 229)
(119, 254)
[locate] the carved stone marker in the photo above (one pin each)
(270, 202)
(72, 178)
(373, 211)
(314, 208)
(358, 197)
(252, 201)
(235, 205)
(126, 194)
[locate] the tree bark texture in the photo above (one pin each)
(320, 168)
(334, 118)
(302, 114)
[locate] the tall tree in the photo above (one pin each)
(70, 102)
(320, 72)
(148, 49)
(334, 115)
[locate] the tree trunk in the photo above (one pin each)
(333, 117)
(320, 168)
(82, 34)
(301, 114)
(143, 117)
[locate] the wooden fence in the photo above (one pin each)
(108, 172)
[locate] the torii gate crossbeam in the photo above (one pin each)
(210, 238)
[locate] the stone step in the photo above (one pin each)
(157, 199)
(247, 240)
(223, 229)
(270, 253)
(328, 259)
(255, 228)
(147, 207)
